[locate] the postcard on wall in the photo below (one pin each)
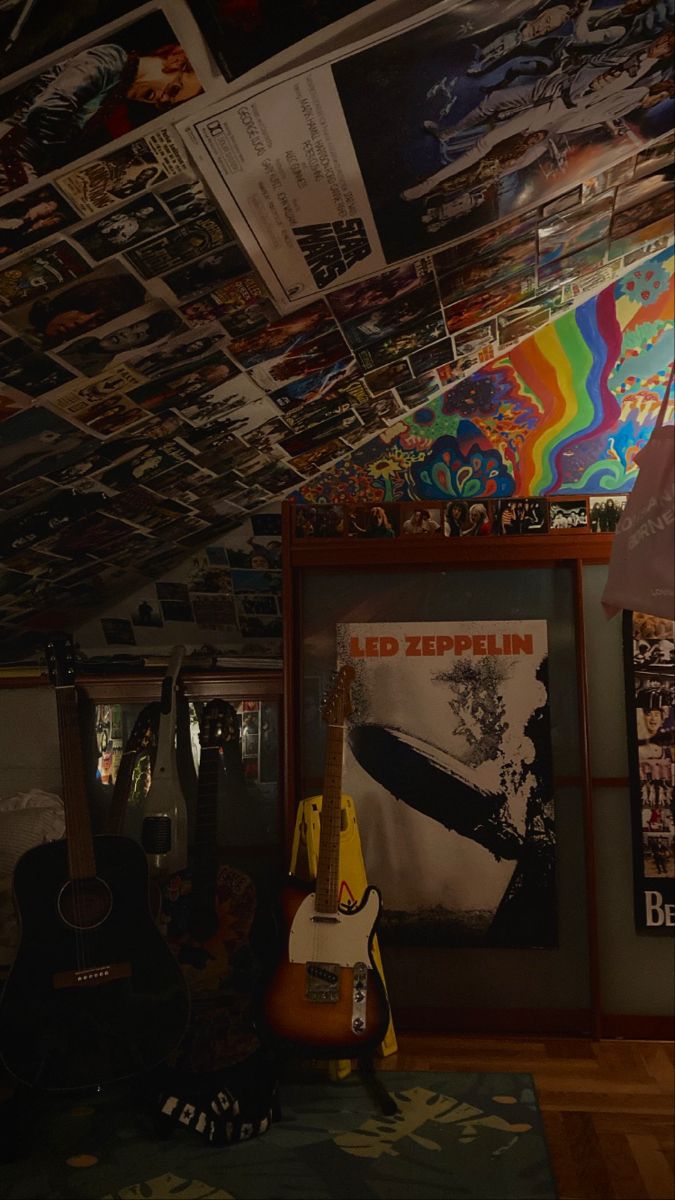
(449, 762)
(40, 272)
(92, 300)
(125, 337)
(418, 135)
(111, 83)
(29, 371)
(137, 221)
(181, 245)
(124, 173)
(32, 217)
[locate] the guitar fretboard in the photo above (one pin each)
(206, 825)
(81, 861)
(328, 872)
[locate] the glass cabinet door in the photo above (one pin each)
(469, 972)
(249, 808)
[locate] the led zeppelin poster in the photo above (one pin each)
(448, 761)
(416, 136)
(649, 658)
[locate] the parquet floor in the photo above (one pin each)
(608, 1106)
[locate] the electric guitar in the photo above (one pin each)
(210, 910)
(94, 994)
(141, 740)
(164, 829)
(326, 995)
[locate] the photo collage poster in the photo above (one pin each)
(449, 122)
(448, 761)
(649, 658)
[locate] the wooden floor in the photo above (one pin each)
(608, 1106)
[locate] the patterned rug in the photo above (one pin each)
(455, 1135)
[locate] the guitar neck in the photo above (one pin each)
(120, 797)
(206, 825)
(328, 871)
(81, 861)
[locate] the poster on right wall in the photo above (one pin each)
(650, 704)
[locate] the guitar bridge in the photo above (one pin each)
(322, 982)
(91, 976)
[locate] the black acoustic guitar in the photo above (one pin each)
(94, 994)
(326, 996)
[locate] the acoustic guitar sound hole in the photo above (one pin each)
(84, 903)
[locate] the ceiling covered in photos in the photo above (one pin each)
(159, 382)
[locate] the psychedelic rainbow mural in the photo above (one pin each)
(564, 412)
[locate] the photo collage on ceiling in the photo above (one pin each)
(146, 366)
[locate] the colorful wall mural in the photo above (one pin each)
(564, 412)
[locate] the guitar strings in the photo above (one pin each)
(80, 855)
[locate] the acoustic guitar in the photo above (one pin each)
(94, 994)
(326, 996)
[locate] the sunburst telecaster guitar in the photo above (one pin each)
(326, 996)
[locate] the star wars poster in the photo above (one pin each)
(448, 760)
(440, 125)
(649, 657)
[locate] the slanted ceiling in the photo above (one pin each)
(154, 399)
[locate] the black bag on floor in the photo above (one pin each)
(230, 1105)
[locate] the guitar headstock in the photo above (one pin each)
(219, 725)
(143, 736)
(61, 660)
(337, 704)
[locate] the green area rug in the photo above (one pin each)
(456, 1135)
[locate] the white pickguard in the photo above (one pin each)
(343, 940)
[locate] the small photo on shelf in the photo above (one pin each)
(319, 521)
(605, 512)
(569, 515)
(521, 515)
(372, 521)
(468, 518)
(421, 519)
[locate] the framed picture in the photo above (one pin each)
(568, 514)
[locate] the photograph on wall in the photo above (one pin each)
(649, 662)
(126, 337)
(605, 512)
(435, 127)
(39, 272)
(92, 96)
(35, 216)
(448, 760)
(29, 31)
(92, 300)
(122, 229)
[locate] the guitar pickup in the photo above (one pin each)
(91, 976)
(322, 982)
